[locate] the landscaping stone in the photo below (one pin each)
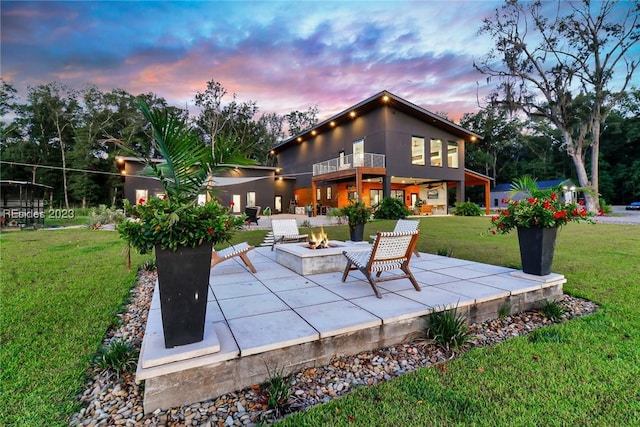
(117, 400)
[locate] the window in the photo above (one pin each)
(251, 198)
(141, 197)
(452, 154)
(202, 199)
(398, 194)
(375, 196)
(417, 150)
(436, 152)
(318, 194)
(358, 152)
(235, 200)
(328, 193)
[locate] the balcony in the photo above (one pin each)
(350, 161)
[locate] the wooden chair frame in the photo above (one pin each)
(239, 250)
(390, 251)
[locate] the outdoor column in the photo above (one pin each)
(314, 202)
(386, 186)
(460, 191)
(487, 198)
(358, 184)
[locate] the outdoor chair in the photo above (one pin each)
(403, 225)
(252, 213)
(286, 230)
(239, 250)
(391, 251)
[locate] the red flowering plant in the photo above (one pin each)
(177, 219)
(544, 208)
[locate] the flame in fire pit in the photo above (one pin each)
(318, 241)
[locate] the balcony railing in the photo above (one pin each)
(350, 161)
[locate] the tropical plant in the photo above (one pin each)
(543, 208)
(177, 219)
(391, 208)
(356, 213)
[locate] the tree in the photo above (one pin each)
(300, 120)
(49, 119)
(564, 68)
(500, 143)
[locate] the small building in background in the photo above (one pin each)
(22, 204)
(500, 192)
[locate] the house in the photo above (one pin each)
(381, 147)
(238, 186)
(501, 192)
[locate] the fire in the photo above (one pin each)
(320, 240)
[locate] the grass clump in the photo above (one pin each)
(120, 356)
(552, 310)
(278, 391)
(448, 329)
(448, 252)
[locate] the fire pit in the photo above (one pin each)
(320, 240)
(301, 258)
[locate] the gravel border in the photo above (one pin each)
(117, 400)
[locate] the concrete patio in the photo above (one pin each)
(277, 319)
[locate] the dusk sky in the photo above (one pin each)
(285, 56)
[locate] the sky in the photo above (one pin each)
(285, 56)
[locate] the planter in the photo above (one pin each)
(536, 249)
(183, 281)
(357, 233)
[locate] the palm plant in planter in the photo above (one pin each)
(181, 231)
(537, 216)
(357, 214)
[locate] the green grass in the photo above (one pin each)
(583, 372)
(60, 293)
(58, 302)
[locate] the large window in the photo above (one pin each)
(398, 194)
(417, 150)
(375, 196)
(358, 152)
(436, 152)
(452, 154)
(251, 198)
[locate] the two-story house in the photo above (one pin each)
(383, 146)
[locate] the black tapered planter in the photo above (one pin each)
(357, 233)
(536, 249)
(183, 280)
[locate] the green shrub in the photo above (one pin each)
(120, 356)
(103, 215)
(391, 208)
(467, 209)
(605, 208)
(448, 328)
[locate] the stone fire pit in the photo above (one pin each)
(300, 258)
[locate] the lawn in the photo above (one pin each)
(58, 302)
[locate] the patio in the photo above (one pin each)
(278, 319)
